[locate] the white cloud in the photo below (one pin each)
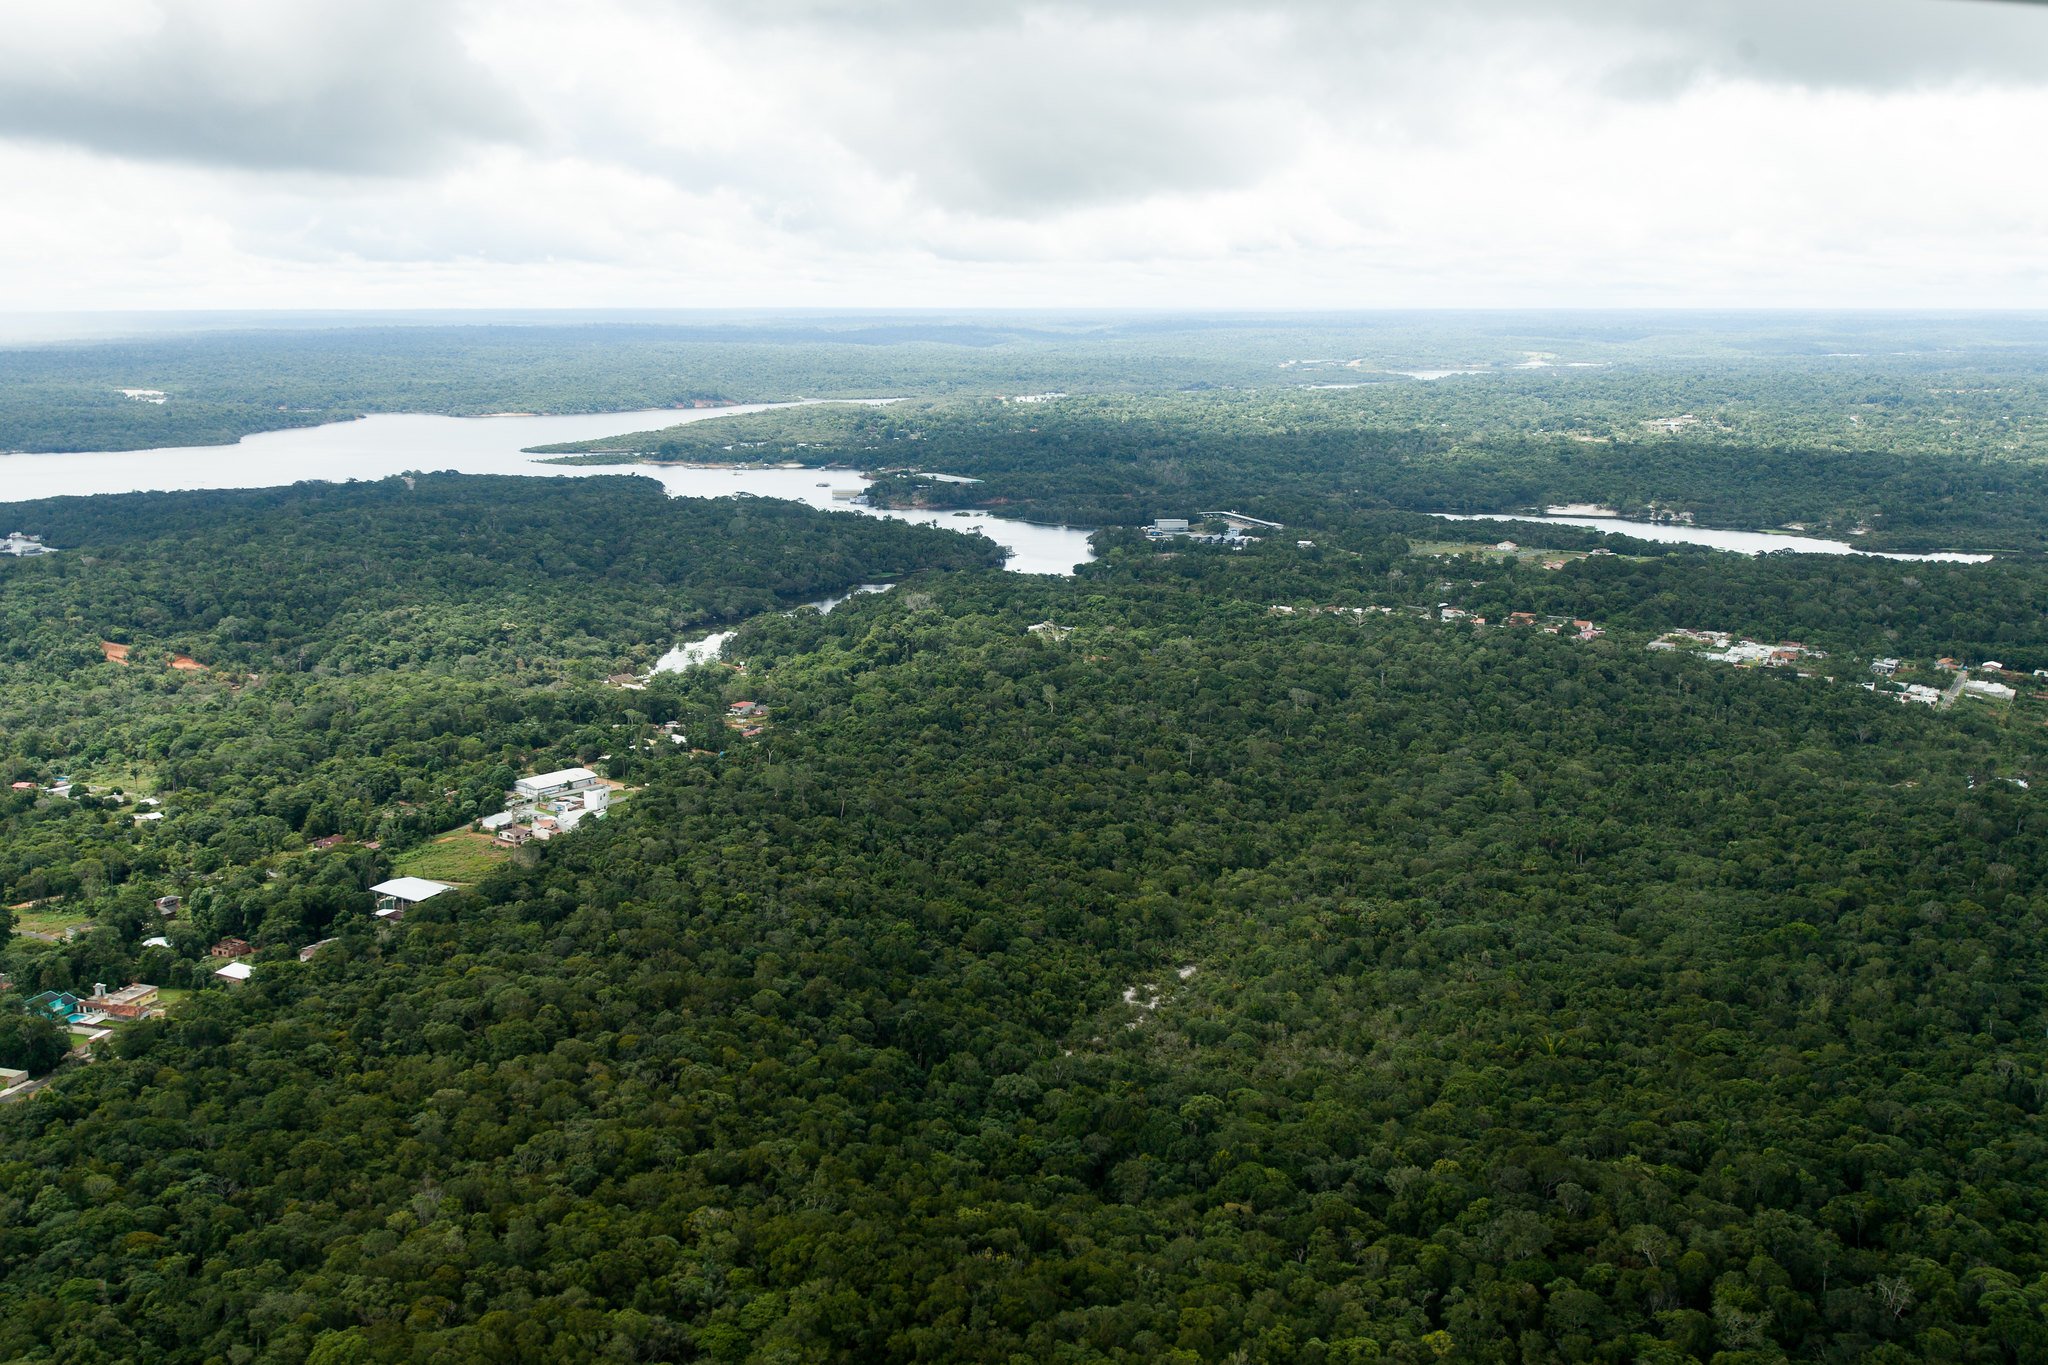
(635, 152)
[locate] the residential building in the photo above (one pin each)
(492, 823)
(1884, 668)
(235, 973)
(232, 948)
(10, 1077)
(62, 1006)
(133, 1001)
(306, 953)
(168, 906)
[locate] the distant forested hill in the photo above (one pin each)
(1970, 384)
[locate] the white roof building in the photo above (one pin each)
(554, 783)
(498, 821)
(236, 971)
(404, 891)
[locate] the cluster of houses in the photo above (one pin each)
(750, 718)
(136, 1000)
(1578, 629)
(1723, 648)
(1444, 611)
(59, 786)
(547, 804)
(1989, 688)
(22, 545)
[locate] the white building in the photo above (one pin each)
(235, 972)
(401, 894)
(503, 818)
(543, 785)
(1990, 691)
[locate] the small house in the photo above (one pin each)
(168, 906)
(235, 973)
(492, 823)
(512, 836)
(306, 953)
(156, 941)
(11, 1077)
(61, 1006)
(232, 948)
(330, 841)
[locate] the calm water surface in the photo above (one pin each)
(378, 447)
(1742, 542)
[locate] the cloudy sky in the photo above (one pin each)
(947, 153)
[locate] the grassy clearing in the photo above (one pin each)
(48, 921)
(464, 856)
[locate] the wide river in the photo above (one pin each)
(378, 447)
(1742, 542)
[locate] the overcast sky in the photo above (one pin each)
(949, 153)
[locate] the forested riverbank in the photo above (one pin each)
(1300, 457)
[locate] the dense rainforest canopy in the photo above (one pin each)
(1229, 953)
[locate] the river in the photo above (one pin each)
(380, 446)
(706, 648)
(1742, 542)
